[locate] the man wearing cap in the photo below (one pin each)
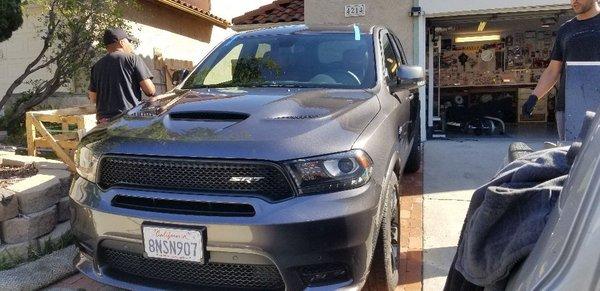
(118, 79)
(578, 40)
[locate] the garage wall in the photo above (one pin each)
(393, 14)
(438, 8)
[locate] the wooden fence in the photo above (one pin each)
(59, 130)
(167, 67)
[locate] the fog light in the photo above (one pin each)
(324, 274)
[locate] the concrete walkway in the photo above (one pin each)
(452, 171)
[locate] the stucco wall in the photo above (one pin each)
(17, 52)
(393, 14)
(178, 35)
(438, 8)
(174, 34)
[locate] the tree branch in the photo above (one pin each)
(51, 29)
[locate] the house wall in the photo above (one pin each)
(177, 35)
(173, 34)
(393, 14)
(17, 52)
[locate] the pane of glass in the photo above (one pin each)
(391, 63)
(400, 48)
(263, 48)
(327, 60)
(222, 72)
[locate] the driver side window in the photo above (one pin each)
(389, 56)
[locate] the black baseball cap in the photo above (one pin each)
(113, 35)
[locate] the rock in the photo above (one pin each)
(9, 205)
(43, 272)
(15, 253)
(63, 210)
(37, 193)
(29, 227)
(15, 161)
(7, 150)
(22, 159)
(65, 177)
(39, 162)
(58, 236)
(50, 165)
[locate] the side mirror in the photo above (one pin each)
(179, 76)
(410, 77)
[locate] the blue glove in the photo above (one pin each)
(529, 105)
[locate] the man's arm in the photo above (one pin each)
(93, 96)
(548, 79)
(148, 87)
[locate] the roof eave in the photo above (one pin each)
(222, 23)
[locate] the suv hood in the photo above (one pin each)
(260, 123)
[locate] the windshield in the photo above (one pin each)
(331, 60)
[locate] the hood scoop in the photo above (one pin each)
(209, 116)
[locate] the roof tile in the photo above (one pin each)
(278, 11)
(219, 20)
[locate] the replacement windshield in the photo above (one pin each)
(319, 60)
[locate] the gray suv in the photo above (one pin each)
(273, 165)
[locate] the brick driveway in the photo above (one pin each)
(411, 236)
(411, 256)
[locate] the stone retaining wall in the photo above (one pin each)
(34, 212)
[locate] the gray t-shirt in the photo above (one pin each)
(116, 79)
(576, 41)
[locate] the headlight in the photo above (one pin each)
(87, 163)
(332, 173)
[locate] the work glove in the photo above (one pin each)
(529, 105)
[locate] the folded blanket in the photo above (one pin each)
(506, 217)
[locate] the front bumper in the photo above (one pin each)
(336, 228)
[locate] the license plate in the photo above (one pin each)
(173, 243)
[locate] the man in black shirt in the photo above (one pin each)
(578, 40)
(118, 78)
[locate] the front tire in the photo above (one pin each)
(387, 252)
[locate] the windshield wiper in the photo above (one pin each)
(281, 85)
(253, 85)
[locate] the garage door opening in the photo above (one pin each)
(485, 67)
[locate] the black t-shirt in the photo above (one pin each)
(576, 41)
(116, 79)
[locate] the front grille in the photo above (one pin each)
(183, 207)
(211, 275)
(195, 175)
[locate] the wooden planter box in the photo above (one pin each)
(74, 123)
